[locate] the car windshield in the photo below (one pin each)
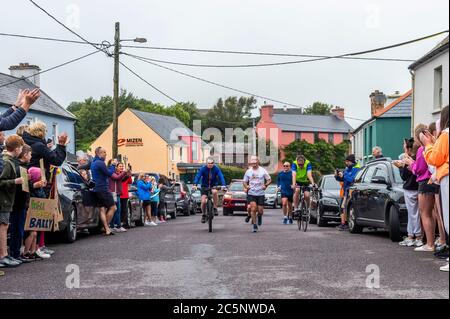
(237, 187)
(397, 176)
(271, 190)
(331, 184)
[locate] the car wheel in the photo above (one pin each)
(320, 221)
(173, 215)
(71, 229)
(130, 216)
(352, 223)
(226, 211)
(141, 220)
(186, 212)
(394, 225)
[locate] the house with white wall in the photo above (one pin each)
(430, 77)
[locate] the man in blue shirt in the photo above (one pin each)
(105, 200)
(286, 187)
(209, 176)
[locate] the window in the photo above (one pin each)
(298, 136)
(54, 132)
(381, 171)
(397, 176)
(330, 183)
(437, 88)
(369, 174)
(316, 137)
(181, 154)
(331, 138)
(194, 151)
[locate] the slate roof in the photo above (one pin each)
(401, 107)
(441, 47)
(45, 104)
(164, 126)
(311, 123)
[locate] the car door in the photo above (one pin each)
(379, 194)
(362, 191)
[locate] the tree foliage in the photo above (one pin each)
(318, 108)
(324, 157)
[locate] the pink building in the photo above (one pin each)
(291, 125)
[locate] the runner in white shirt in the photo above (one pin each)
(256, 180)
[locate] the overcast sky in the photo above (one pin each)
(322, 27)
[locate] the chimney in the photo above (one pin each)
(267, 112)
(339, 112)
(24, 70)
(377, 101)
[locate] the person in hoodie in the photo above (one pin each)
(115, 187)
(347, 178)
(105, 199)
(411, 193)
(437, 154)
(35, 137)
(144, 189)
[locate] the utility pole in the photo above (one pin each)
(254, 137)
(115, 135)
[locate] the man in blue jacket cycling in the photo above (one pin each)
(209, 176)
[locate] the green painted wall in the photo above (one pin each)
(388, 133)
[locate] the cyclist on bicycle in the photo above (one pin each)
(209, 176)
(302, 177)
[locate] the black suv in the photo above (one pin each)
(377, 199)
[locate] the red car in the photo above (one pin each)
(235, 199)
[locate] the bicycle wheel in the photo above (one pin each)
(210, 214)
(299, 219)
(306, 220)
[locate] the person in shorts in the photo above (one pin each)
(284, 182)
(256, 181)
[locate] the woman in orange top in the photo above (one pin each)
(436, 154)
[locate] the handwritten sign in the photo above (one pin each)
(24, 175)
(41, 214)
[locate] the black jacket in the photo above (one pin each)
(410, 179)
(10, 119)
(40, 150)
(22, 199)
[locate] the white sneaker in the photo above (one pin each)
(153, 224)
(424, 248)
(407, 242)
(147, 223)
(418, 243)
(42, 255)
(444, 268)
(122, 230)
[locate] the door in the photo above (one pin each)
(362, 196)
(379, 194)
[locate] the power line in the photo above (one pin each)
(53, 68)
(286, 54)
(206, 65)
(211, 82)
(98, 47)
(148, 83)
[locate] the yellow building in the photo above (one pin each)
(154, 143)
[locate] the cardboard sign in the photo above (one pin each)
(24, 175)
(41, 214)
(41, 164)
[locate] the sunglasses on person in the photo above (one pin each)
(287, 166)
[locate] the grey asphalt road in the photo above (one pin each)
(182, 260)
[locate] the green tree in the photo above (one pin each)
(318, 108)
(94, 116)
(233, 112)
(325, 157)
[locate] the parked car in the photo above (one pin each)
(273, 197)
(78, 203)
(169, 198)
(183, 199)
(235, 199)
(377, 200)
(196, 199)
(326, 206)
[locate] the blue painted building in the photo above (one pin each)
(56, 117)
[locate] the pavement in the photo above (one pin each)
(182, 260)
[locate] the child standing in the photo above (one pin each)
(8, 182)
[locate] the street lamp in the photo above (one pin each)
(117, 41)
